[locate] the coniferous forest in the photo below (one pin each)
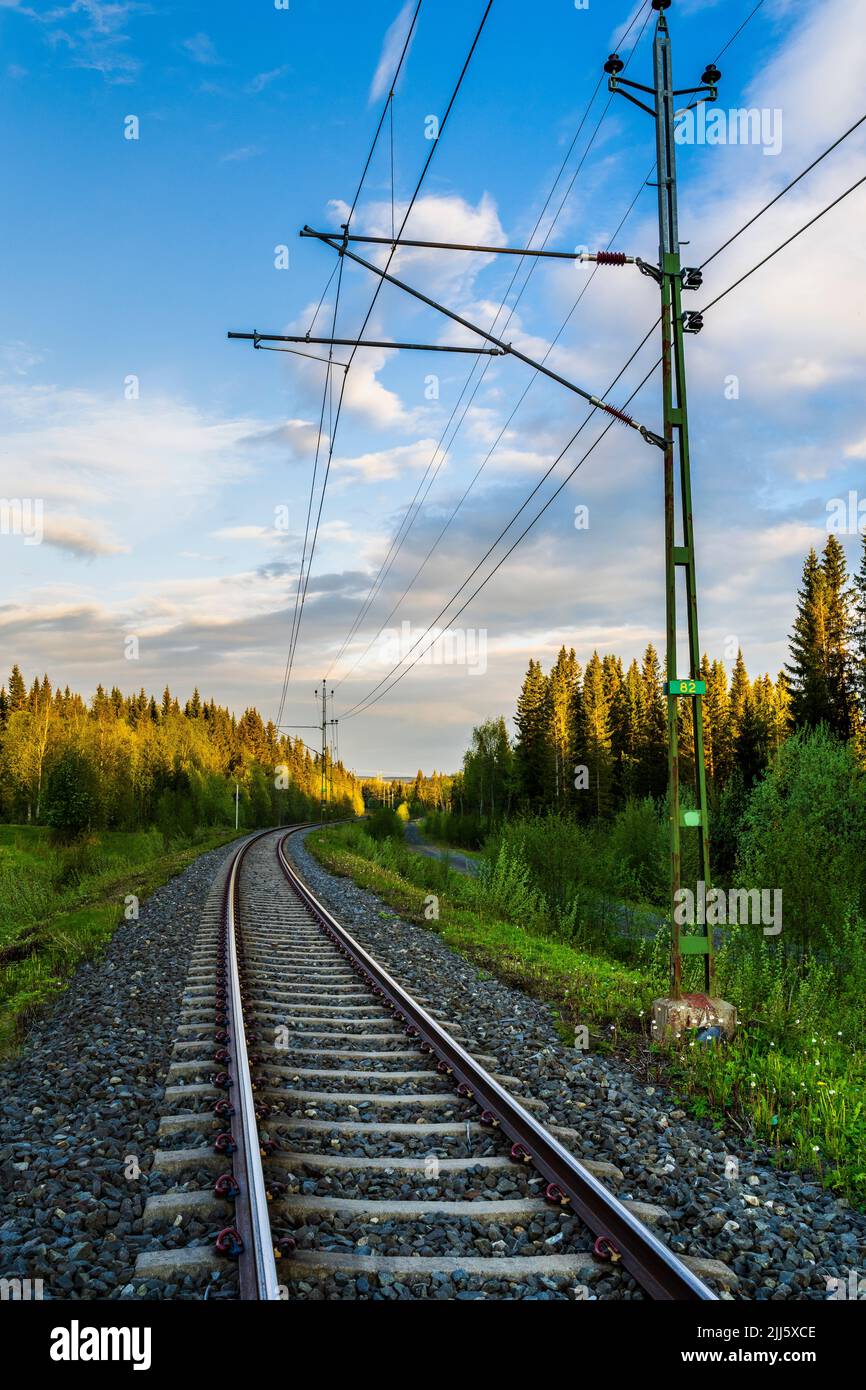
(611, 722)
(134, 762)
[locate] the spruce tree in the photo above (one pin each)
(597, 736)
(840, 673)
(807, 669)
(858, 635)
(562, 687)
(717, 712)
(653, 751)
(631, 730)
(17, 689)
(532, 747)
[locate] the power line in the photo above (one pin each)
(300, 596)
(407, 523)
(493, 447)
(739, 31)
(332, 438)
(782, 192)
(370, 702)
(786, 242)
(356, 707)
(388, 105)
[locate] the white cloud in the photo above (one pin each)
(392, 47)
(387, 463)
(264, 79)
(239, 156)
(249, 533)
(435, 217)
(201, 49)
(79, 536)
(136, 453)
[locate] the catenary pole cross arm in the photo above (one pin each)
(257, 338)
(506, 348)
(540, 253)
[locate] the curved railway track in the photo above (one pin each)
(315, 1110)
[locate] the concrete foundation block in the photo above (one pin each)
(672, 1017)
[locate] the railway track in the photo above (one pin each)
(327, 1135)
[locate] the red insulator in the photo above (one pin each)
(229, 1243)
(225, 1143)
(610, 258)
(227, 1187)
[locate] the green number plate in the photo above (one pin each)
(686, 688)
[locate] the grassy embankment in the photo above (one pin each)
(794, 1083)
(59, 905)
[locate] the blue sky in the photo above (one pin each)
(131, 258)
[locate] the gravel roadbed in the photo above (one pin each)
(80, 1104)
(779, 1231)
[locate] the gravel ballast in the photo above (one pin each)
(80, 1104)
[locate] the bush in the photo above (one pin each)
(639, 853)
(71, 796)
(466, 832)
(804, 832)
(384, 824)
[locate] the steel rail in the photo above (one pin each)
(652, 1264)
(257, 1269)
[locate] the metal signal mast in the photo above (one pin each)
(673, 278)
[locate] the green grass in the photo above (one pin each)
(60, 905)
(584, 989)
(798, 1090)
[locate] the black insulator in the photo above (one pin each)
(614, 64)
(692, 278)
(711, 75)
(693, 322)
(661, 4)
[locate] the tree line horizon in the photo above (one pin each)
(587, 741)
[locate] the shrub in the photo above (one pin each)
(804, 832)
(384, 824)
(71, 797)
